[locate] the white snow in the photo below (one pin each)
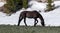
(37, 6)
(1, 4)
(51, 18)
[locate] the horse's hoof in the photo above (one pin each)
(34, 25)
(17, 25)
(43, 25)
(26, 25)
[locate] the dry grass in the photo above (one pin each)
(29, 29)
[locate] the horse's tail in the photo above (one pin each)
(42, 20)
(20, 18)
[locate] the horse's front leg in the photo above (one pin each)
(35, 22)
(25, 21)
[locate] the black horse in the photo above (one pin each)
(31, 14)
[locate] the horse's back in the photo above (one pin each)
(30, 14)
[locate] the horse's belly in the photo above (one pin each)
(30, 17)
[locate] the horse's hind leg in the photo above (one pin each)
(20, 18)
(25, 21)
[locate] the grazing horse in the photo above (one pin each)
(31, 14)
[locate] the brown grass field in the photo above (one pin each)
(28, 29)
